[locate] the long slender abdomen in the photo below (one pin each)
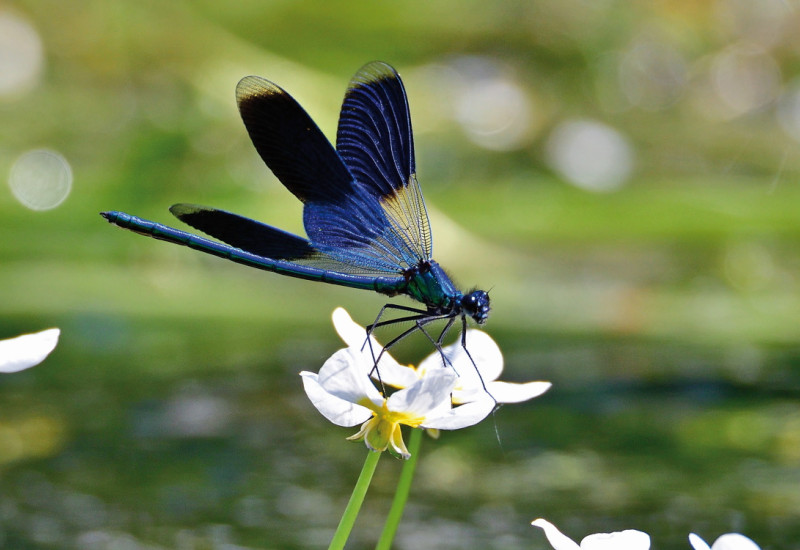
(383, 285)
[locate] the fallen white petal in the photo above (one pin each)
(556, 538)
(728, 541)
(698, 543)
(25, 351)
(630, 539)
(734, 541)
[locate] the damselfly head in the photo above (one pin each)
(476, 305)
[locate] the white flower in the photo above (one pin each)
(344, 393)
(474, 380)
(629, 539)
(439, 395)
(728, 541)
(25, 351)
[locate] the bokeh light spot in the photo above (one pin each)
(745, 79)
(21, 55)
(495, 114)
(40, 179)
(494, 110)
(590, 155)
(764, 22)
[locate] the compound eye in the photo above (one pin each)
(479, 304)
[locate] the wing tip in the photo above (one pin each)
(251, 88)
(183, 210)
(374, 72)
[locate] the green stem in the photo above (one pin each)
(401, 495)
(356, 500)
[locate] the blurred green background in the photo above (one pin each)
(623, 176)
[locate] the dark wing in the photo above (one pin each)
(345, 220)
(249, 235)
(269, 242)
(290, 143)
(376, 142)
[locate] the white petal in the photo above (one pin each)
(698, 543)
(338, 411)
(462, 416)
(557, 539)
(483, 350)
(486, 354)
(431, 362)
(508, 392)
(425, 394)
(354, 335)
(345, 376)
(630, 539)
(25, 351)
(461, 395)
(734, 541)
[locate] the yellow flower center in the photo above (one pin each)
(383, 429)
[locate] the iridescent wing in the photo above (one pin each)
(370, 219)
(376, 142)
(272, 243)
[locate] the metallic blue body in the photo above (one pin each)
(364, 213)
(384, 285)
